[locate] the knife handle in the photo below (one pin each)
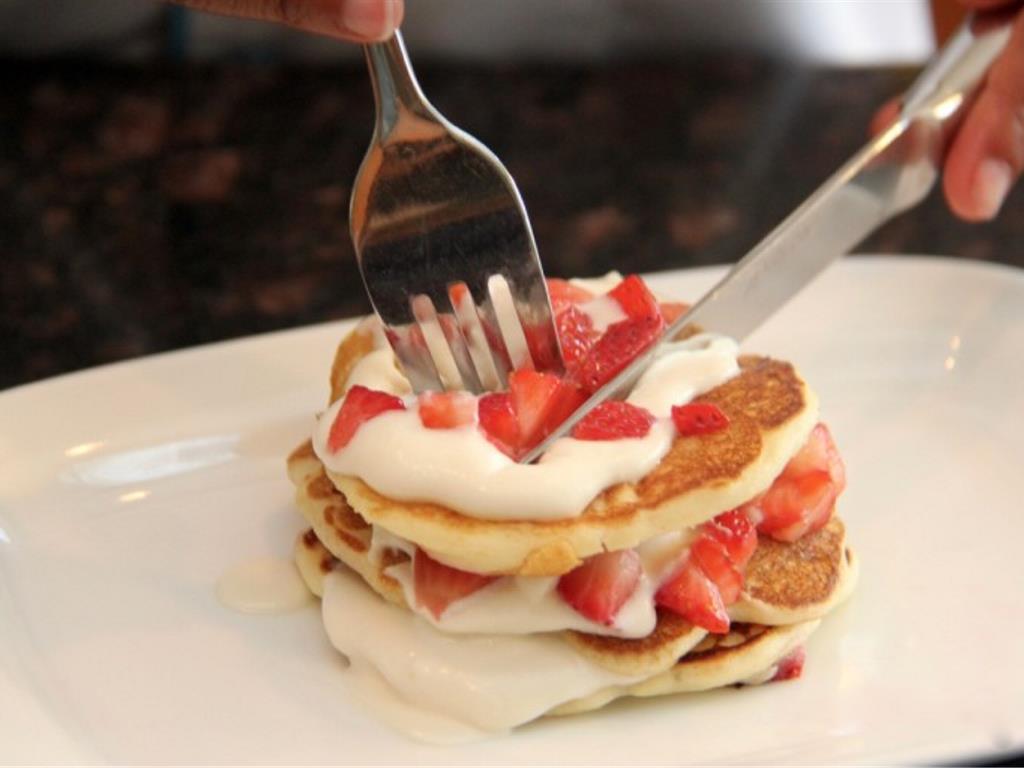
(945, 87)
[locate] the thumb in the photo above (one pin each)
(987, 154)
(360, 21)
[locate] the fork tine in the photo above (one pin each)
(457, 345)
(436, 342)
(533, 308)
(494, 341)
(507, 317)
(466, 314)
(407, 341)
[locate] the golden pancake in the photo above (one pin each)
(749, 654)
(786, 583)
(771, 412)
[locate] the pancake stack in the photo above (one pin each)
(788, 587)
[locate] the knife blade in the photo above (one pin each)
(892, 173)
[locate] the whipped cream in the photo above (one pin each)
(459, 468)
(531, 604)
(475, 681)
(602, 311)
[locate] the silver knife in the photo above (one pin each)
(894, 172)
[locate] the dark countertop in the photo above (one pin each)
(156, 207)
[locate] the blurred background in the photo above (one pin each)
(170, 178)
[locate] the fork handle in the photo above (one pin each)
(395, 88)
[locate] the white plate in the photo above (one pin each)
(126, 491)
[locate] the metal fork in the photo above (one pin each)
(444, 244)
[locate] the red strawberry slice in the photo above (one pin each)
(438, 585)
(673, 310)
(576, 335)
(613, 419)
(599, 588)
(792, 666)
(446, 410)
(498, 421)
(541, 402)
(361, 404)
(698, 419)
(819, 453)
(619, 345)
(736, 533)
(692, 595)
(716, 564)
(635, 298)
(793, 507)
(542, 347)
(564, 293)
(802, 498)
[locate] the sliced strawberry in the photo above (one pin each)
(613, 419)
(673, 310)
(616, 349)
(635, 298)
(793, 507)
(498, 421)
(576, 334)
(792, 666)
(736, 533)
(599, 588)
(818, 453)
(458, 293)
(542, 346)
(698, 419)
(564, 293)
(361, 404)
(692, 595)
(716, 564)
(541, 402)
(438, 585)
(446, 410)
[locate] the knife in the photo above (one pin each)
(894, 172)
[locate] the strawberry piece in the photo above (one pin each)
(613, 419)
(714, 561)
(792, 666)
(542, 347)
(802, 498)
(361, 404)
(498, 421)
(458, 293)
(794, 507)
(563, 293)
(600, 586)
(734, 531)
(576, 334)
(541, 402)
(636, 299)
(446, 410)
(698, 419)
(692, 595)
(819, 453)
(616, 349)
(437, 585)
(673, 310)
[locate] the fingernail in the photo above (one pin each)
(991, 183)
(371, 19)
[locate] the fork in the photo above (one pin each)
(444, 244)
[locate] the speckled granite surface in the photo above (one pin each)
(147, 209)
